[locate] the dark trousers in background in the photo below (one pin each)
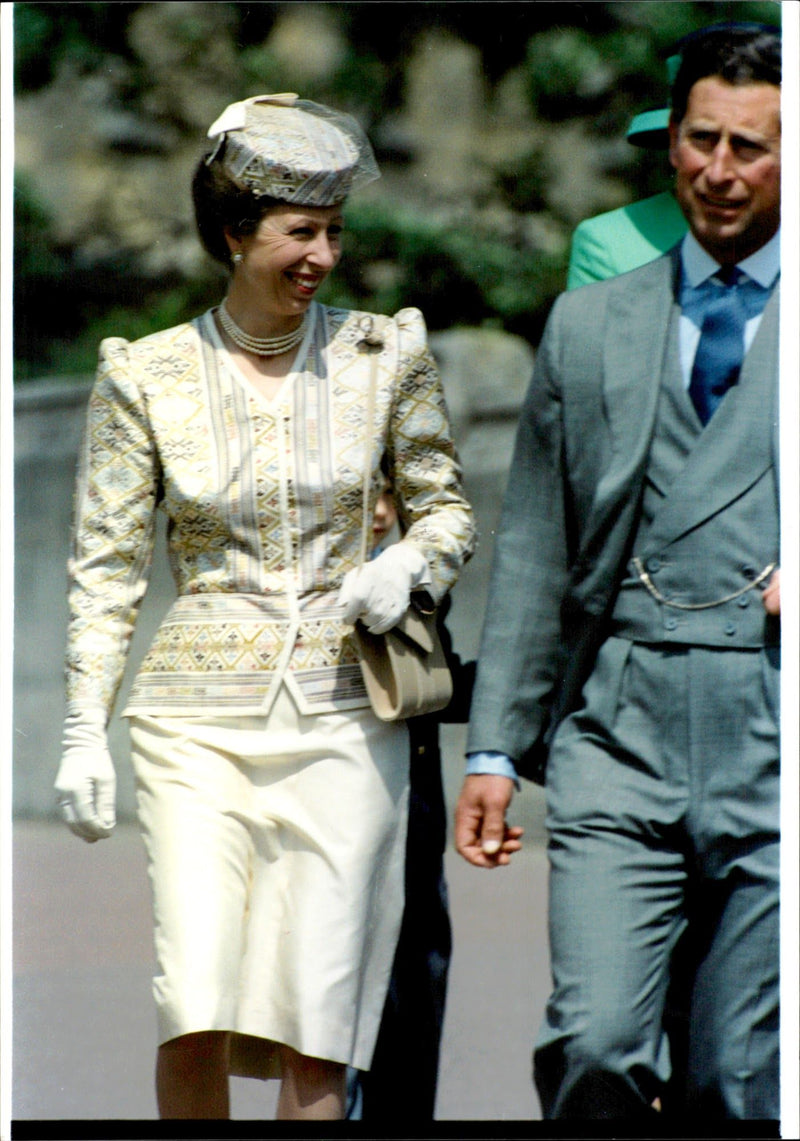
(403, 1077)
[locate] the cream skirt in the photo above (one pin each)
(276, 849)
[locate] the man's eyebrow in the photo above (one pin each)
(739, 135)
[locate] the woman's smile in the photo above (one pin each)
(305, 283)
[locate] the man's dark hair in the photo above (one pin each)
(219, 204)
(736, 52)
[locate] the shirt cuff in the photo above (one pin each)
(493, 764)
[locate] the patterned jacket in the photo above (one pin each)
(264, 510)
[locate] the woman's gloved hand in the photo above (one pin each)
(86, 783)
(379, 591)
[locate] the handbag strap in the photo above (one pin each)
(371, 343)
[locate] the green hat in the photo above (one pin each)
(649, 128)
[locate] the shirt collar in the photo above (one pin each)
(763, 266)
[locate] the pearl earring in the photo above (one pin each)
(237, 258)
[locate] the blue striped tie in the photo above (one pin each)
(730, 299)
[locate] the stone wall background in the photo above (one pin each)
(498, 127)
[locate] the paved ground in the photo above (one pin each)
(84, 1025)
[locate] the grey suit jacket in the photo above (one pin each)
(572, 503)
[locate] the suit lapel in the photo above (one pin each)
(736, 447)
(633, 352)
(633, 358)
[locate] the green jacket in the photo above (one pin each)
(624, 239)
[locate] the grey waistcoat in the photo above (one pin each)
(714, 559)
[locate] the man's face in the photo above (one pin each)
(727, 155)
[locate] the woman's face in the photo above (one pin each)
(289, 256)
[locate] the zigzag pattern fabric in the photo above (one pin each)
(263, 502)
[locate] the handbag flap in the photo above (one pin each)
(415, 627)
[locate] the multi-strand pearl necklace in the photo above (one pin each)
(261, 346)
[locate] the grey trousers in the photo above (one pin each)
(662, 797)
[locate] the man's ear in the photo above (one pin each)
(673, 127)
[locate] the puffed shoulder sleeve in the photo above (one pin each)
(424, 464)
(113, 530)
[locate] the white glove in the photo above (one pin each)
(86, 782)
(379, 591)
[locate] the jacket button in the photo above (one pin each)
(743, 600)
(671, 622)
(654, 565)
(748, 572)
(730, 629)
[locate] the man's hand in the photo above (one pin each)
(772, 595)
(481, 834)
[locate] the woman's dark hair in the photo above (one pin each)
(219, 204)
(738, 53)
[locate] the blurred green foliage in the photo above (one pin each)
(593, 62)
(456, 274)
(46, 34)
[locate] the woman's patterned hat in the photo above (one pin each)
(292, 149)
